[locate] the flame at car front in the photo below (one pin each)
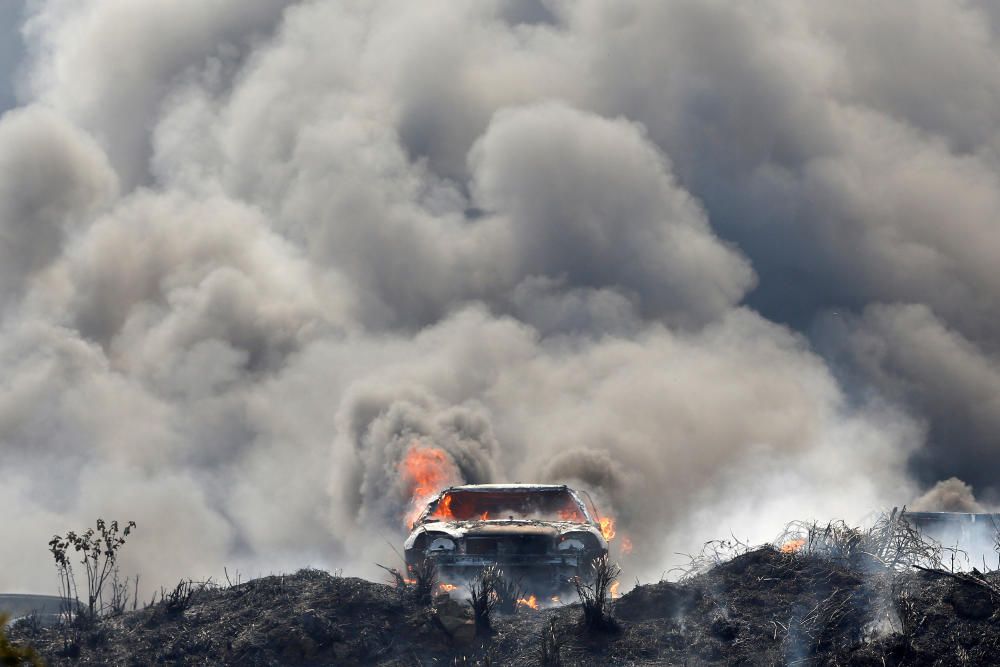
(426, 470)
(607, 527)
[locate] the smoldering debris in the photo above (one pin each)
(763, 605)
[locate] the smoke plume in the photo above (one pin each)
(950, 495)
(723, 267)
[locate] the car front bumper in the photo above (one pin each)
(542, 573)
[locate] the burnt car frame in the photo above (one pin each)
(541, 535)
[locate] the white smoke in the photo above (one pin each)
(723, 267)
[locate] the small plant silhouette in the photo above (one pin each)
(99, 549)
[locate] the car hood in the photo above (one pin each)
(461, 529)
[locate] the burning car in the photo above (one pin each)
(541, 535)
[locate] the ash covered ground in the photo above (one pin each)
(762, 607)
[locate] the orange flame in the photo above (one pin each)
(531, 601)
(793, 546)
(626, 546)
(607, 528)
(426, 470)
(447, 588)
(570, 514)
(485, 516)
(443, 510)
(614, 589)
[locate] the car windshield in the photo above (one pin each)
(540, 505)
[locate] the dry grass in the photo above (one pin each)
(892, 542)
(550, 649)
(712, 554)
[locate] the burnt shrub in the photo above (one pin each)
(421, 582)
(179, 599)
(508, 592)
(596, 597)
(424, 578)
(484, 598)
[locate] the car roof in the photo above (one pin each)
(502, 488)
(508, 487)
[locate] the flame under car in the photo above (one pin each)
(540, 535)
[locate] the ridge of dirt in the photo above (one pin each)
(761, 608)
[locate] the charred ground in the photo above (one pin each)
(762, 607)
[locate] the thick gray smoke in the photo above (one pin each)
(723, 266)
(10, 49)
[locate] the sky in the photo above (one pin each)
(723, 266)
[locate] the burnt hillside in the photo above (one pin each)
(760, 608)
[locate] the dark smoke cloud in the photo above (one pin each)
(560, 220)
(385, 425)
(722, 266)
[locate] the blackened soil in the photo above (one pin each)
(761, 608)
